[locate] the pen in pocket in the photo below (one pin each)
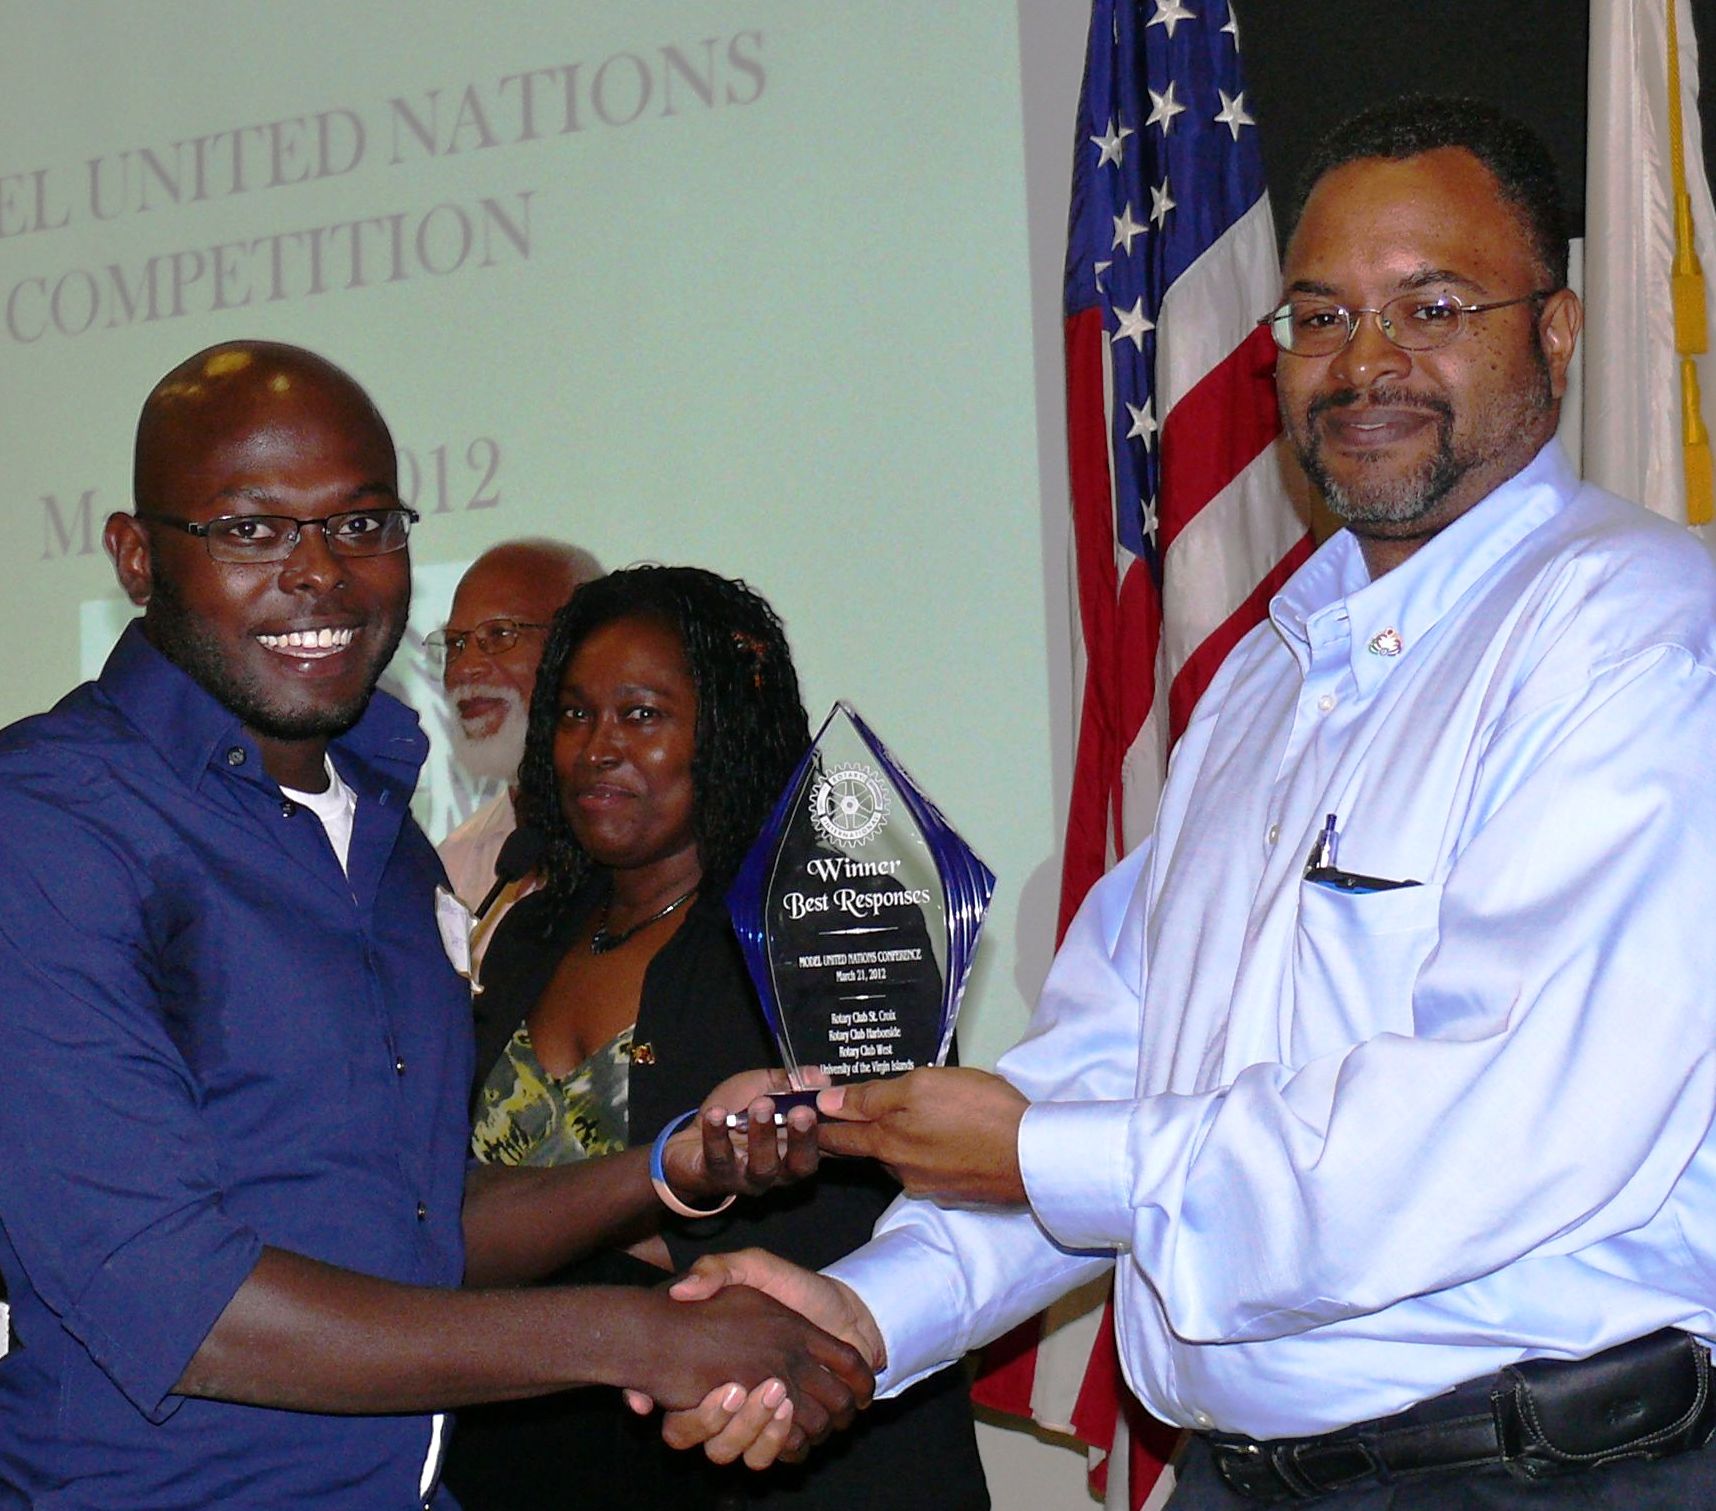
(1320, 867)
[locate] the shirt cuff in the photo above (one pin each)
(912, 1304)
(1073, 1157)
(145, 1313)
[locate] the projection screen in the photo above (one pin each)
(737, 284)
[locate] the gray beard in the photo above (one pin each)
(1396, 500)
(496, 757)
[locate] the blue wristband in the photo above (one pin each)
(658, 1172)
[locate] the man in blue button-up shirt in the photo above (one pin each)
(1389, 1061)
(234, 1056)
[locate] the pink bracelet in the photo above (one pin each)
(658, 1173)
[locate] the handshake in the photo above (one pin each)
(947, 1134)
(828, 1357)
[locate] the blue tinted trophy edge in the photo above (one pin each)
(969, 882)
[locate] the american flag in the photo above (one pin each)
(1182, 529)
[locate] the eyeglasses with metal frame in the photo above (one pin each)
(493, 637)
(1415, 322)
(274, 537)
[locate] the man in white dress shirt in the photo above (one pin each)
(1384, 1074)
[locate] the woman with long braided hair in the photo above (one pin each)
(665, 723)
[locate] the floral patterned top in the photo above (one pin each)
(525, 1116)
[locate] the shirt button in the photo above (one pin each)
(422, 1212)
(399, 1066)
(235, 756)
(1203, 1419)
(1326, 702)
(1274, 833)
(287, 808)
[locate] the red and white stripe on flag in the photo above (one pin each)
(1182, 529)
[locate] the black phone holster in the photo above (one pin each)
(1641, 1400)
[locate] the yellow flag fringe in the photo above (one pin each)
(1691, 333)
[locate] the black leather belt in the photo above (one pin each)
(1546, 1417)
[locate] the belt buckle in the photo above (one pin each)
(1327, 1466)
(1294, 1469)
(1246, 1469)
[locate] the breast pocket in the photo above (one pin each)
(270, 1040)
(1356, 956)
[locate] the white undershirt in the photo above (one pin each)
(336, 807)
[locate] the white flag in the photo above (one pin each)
(1632, 437)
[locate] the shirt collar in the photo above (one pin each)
(192, 731)
(1333, 590)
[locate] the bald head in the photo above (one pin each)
(536, 574)
(237, 390)
(292, 643)
(524, 582)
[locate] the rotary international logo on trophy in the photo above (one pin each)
(850, 804)
(858, 911)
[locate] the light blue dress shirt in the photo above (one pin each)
(1347, 1150)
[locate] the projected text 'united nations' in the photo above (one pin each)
(347, 150)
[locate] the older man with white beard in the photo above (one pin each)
(490, 650)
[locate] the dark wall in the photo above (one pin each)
(1704, 24)
(1311, 65)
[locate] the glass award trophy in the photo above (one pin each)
(858, 911)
